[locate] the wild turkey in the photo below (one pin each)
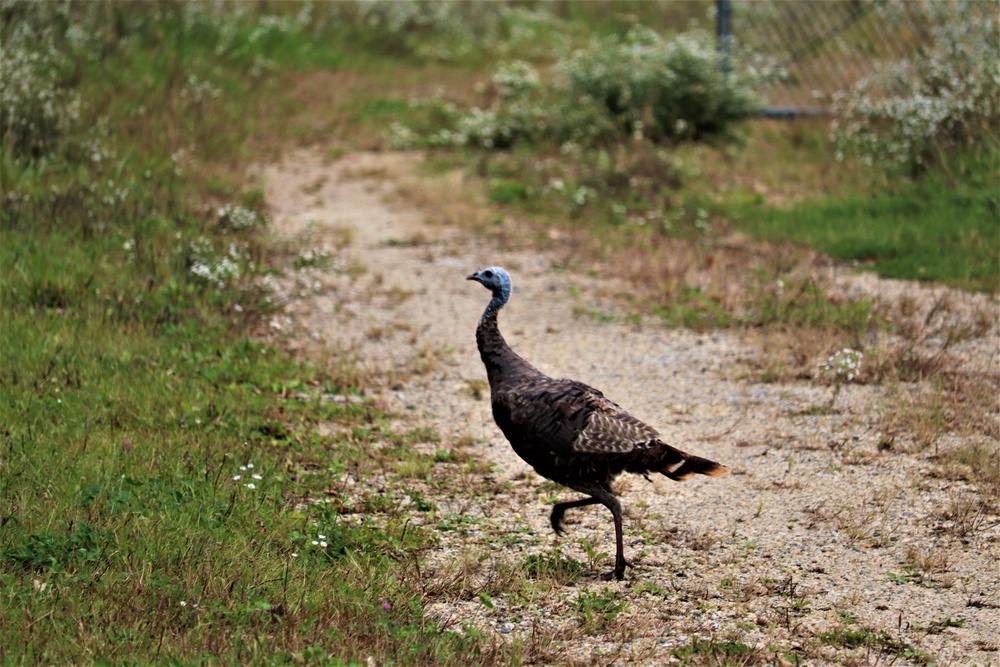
(568, 431)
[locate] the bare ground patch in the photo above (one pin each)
(842, 536)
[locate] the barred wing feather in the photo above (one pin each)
(571, 417)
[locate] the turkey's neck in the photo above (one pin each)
(503, 365)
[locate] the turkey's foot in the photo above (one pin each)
(618, 573)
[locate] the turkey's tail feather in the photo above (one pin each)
(674, 463)
(694, 465)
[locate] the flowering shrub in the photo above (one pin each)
(644, 85)
(517, 114)
(516, 81)
(35, 111)
(660, 87)
(946, 96)
(216, 269)
(237, 218)
(843, 365)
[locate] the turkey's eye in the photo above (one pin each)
(487, 274)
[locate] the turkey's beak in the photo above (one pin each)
(472, 276)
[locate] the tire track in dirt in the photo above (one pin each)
(814, 511)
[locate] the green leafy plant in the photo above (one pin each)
(594, 557)
(76, 545)
(595, 610)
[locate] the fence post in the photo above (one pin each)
(723, 31)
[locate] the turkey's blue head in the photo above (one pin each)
(497, 281)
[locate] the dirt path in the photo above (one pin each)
(815, 534)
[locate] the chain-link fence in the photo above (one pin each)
(818, 48)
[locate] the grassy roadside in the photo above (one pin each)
(156, 461)
(944, 228)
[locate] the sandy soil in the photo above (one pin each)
(817, 530)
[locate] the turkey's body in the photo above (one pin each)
(568, 431)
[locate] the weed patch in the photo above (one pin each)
(859, 637)
(554, 566)
(595, 610)
(712, 652)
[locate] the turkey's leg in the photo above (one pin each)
(560, 508)
(602, 493)
(620, 562)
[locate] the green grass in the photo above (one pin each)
(133, 528)
(862, 639)
(121, 509)
(125, 428)
(712, 652)
(597, 610)
(507, 191)
(940, 228)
